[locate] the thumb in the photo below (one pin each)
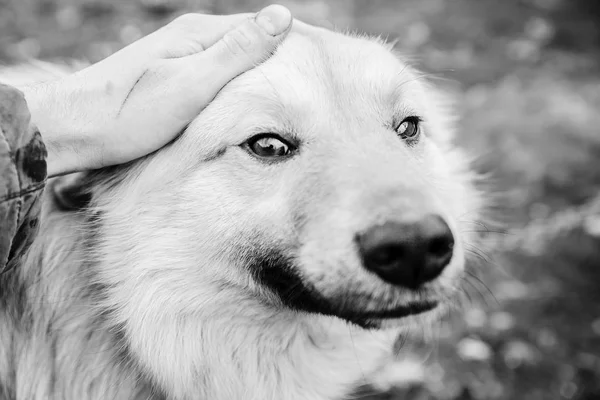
(244, 47)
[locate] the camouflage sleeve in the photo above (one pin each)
(22, 177)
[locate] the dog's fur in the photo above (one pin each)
(202, 272)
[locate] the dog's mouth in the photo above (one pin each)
(277, 274)
(373, 319)
(405, 310)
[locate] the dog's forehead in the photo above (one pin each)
(324, 65)
(334, 56)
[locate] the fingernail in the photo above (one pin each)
(274, 19)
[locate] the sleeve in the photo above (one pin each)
(22, 177)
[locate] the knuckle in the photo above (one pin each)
(237, 42)
(191, 46)
(184, 35)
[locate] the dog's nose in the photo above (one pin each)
(407, 254)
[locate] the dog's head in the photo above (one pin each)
(322, 181)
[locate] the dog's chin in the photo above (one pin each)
(388, 318)
(425, 313)
(279, 275)
(385, 318)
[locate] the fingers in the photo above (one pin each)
(192, 33)
(185, 35)
(242, 48)
(189, 34)
(206, 29)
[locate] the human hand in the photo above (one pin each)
(140, 98)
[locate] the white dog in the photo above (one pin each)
(274, 251)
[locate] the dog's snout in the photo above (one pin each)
(407, 254)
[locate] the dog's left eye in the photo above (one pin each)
(409, 128)
(270, 146)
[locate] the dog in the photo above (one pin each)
(309, 215)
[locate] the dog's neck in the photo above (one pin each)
(58, 341)
(259, 357)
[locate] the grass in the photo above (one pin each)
(525, 76)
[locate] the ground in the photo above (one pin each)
(525, 76)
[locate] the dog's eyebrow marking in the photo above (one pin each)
(130, 91)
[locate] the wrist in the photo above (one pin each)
(64, 139)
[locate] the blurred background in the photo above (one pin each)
(525, 76)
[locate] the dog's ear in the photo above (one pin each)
(70, 192)
(76, 191)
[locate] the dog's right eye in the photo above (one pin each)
(409, 128)
(270, 146)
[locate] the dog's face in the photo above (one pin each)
(321, 181)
